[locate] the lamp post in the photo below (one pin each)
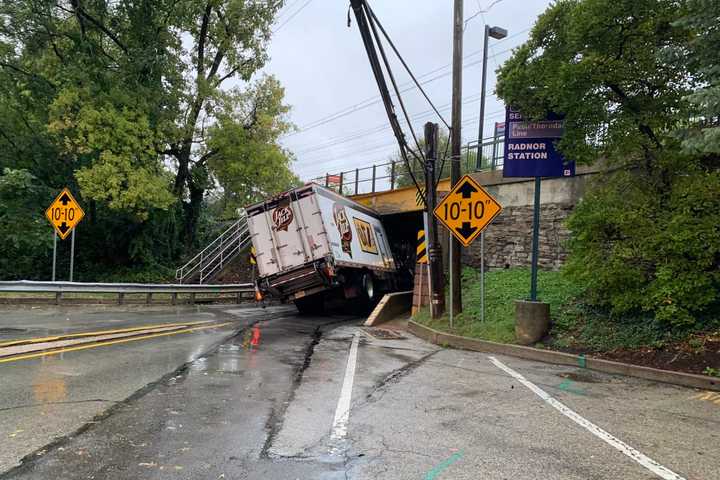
(497, 33)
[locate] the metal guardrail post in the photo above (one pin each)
(373, 178)
(121, 298)
(341, 183)
(357, 176)
(392, 175)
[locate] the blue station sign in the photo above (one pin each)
(530, 149)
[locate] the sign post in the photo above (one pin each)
(466, 211)
(64, 213)
(54, 254)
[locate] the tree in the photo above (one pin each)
(702, 136)
(144, 108)
(403, 177)
(645, 238)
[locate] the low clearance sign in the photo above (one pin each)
(530, 147)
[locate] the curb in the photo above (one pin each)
(561, 358)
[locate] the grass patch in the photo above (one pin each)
(502, 288)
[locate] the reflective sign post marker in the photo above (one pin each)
(535, 241)
(54, 253)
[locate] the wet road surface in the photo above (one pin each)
(266, 397)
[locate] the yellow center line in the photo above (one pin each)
(110, 342)
(97, 333)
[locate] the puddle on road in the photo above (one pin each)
(235, 357)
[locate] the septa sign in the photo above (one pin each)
(530, 147)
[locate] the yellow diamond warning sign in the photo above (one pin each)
(467, 210)
(64, 213)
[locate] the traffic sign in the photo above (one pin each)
(64, 213)
(467, 210)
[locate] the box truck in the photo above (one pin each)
(310, 242)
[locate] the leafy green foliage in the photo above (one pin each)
(26, 238)
(702, 136)
(130, 105)
(636, 83)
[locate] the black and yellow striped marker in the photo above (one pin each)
(421, 250)
(252, 257)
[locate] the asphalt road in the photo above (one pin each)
(270, 395)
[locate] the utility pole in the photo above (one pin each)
(437, 282)
(455, 139)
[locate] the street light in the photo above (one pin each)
(497, 33)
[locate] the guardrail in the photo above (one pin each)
(122, 289)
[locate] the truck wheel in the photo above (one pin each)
(368, 291)
(314, 304)
(368, 287)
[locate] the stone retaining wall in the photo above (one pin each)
(508, 240)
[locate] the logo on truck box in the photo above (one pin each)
(343, 225)
(282, 217)
(366, 236)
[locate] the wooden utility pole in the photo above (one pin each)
(437, 280)
(455, 139)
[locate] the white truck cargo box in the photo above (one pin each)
(309, 228)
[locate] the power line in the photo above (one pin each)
(318, 148)
(377, 129)
(292, 16)
(333, 162)
(286, 9)
(374, 100)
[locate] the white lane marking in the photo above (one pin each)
(643, 460)
(342, 412)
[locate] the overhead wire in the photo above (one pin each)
(374, 100)
(404, 64)
(332, 160)
(323, 147)
(292, 16)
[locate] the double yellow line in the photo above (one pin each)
(55, 338)
(112, 342)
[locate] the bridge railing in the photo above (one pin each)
(388, 176)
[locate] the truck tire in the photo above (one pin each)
(368, 289)
(312, 305)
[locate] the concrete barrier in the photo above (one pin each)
(561, 358)
(391, 306)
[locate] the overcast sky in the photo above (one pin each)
(328, 82)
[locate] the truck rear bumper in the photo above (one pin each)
(300, 282)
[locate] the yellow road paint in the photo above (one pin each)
(110, 342)
(97, 333)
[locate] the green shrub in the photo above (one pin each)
(650, 243)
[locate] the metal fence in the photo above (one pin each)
(395, 174)
(122, 289)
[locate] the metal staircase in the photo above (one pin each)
(221, 251)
